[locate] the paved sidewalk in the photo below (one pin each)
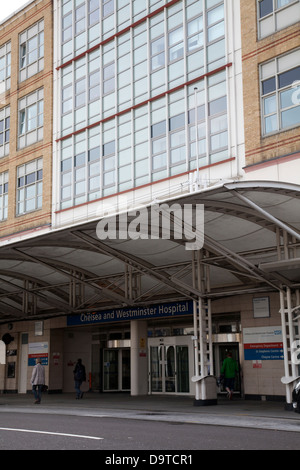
(237, 413)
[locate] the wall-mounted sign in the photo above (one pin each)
(133, 313)
(261, 307)
(38, 328)
(38, 350)
(263, 343)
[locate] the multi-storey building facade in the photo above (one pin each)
(129, 76)
(180, 102)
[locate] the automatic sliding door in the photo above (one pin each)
(156, 368)
(125, 369)
(116, 370)
(182, 360)
(111, 369)
(169, 369)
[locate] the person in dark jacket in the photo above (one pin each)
(79, 377)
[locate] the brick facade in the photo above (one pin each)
(10, 31)
(259, 148)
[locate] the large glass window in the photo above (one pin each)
(30, 186)
(4, 131)
(280, 91)
(32, 50)
(155, 56)
(31, 115)
(5, 67)
(133, 89)
(274, 15)
(3, 195)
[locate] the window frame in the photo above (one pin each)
(25, 104)
(5, 118)
(4, 196)
(26, 67)
(22, 186)
(276, 92)
(5, 53)
(276, 10)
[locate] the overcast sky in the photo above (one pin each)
(9, 6)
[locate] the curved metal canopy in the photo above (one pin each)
(251, 244)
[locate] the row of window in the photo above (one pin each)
(155, 141)
(174, 47)
(29, 189)
(85, 23)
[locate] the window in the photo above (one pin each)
(80, 93)
(109, 78)
(67, 27)
(211, 145)
(5, 67)
(280, 104)
(94, 173)
(32, 51)
(29, 186)
(94, 12)
(176, 48)
(157, 53)
(31, 113)
(274, 15)
(4, 131)
(215, 37)
(177, 139)
(3, 195)
(195, 34)
(107, 7)
(109, 165)
(159, 146)
(198, 147)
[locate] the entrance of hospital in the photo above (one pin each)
(155, 315)
(169, 353)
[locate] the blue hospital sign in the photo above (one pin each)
(133, 313)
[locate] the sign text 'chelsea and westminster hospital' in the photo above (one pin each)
(133, 313)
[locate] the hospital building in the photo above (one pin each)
(150, 195)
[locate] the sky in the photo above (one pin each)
(9, 6)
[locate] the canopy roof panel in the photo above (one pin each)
(251, 244)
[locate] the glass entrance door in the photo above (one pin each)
(169, 368)
(116, 370)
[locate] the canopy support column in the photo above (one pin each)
(290, 320)
(205, 382)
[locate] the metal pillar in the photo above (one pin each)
(290, 318)
(205, 382)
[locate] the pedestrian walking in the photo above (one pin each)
(229, 370)
(38, 380)
(79, 377)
